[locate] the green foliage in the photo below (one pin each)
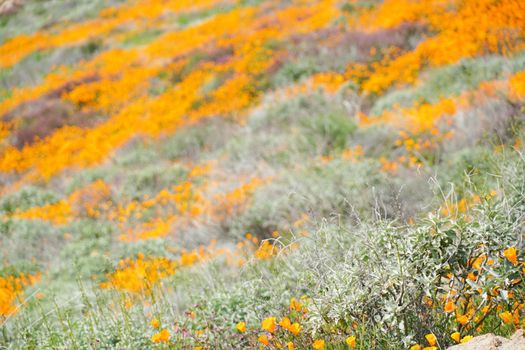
(87, 250)
(91, 47)
(292, 72)
(29, 243)
(26, 198)
(191, 141)
(331, 131)
(141, 38)
(188, 18)
(152, 179)
(339, 188)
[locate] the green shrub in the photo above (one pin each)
(26, 198)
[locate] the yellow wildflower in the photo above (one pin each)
(466, 338)
(161, 337)
(295, 305)
(241, 327)
(155, 323)
(450, 307)
(456, 336)
(506, 317)
(350, 341)
(295, 328)
(285, 323)
(511, 255)
(462, 319)
(318, 344)
(431, 339)
(264, 339)
(268, 324)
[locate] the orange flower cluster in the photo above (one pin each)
(155, 228)
(140, 275)
(90, 200)
(286, 329)
(243, 251)
(161, 337)
(179, 207)
(120, 79)
(392, 166)
(265, 251)
(86, 201)
(49, 156)
(58, 213)
(162, 210)
(138, 13)
(353, 153)
(329, 81)
(5, 131)
(11, 290)
(154, 216)
(461, 207)
(517, 86)
(424, 126)
(419, 129)
(287, 333)
(463, 29)
(236, 200)
(469, 305)
(392, 13)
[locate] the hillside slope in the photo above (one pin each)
(245, 174)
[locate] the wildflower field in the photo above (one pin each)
(261, 174)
